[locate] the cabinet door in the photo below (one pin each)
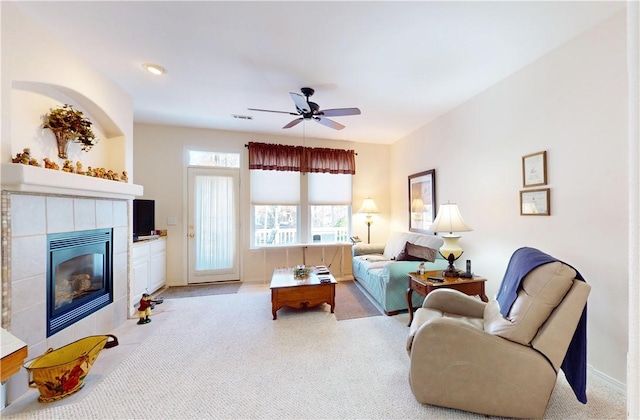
(141, 274)
(158, 271)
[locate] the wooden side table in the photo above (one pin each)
(14, 351)
(423, 286)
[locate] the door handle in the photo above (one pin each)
(191, 235)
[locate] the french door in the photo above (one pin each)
(213, 214)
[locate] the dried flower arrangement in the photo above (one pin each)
(69, 124)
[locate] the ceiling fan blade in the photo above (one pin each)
(300, 101)
(270, 110)
(329, 123)
(339, 112)
(294, 122)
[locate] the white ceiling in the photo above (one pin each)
(402, 63)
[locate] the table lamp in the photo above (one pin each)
(369, 207)
(449, 220)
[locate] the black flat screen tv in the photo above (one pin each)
(144, 219)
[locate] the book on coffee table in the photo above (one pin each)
(322, 269)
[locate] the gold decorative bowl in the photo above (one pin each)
(60, 373)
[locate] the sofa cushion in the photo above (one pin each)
(538, 295)
(364, 249)
(395, 244)
(374, 257)
(432, 241)
(413, 252)
(397, 240)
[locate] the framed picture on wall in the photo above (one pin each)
(534, 169)
(535, 202)
(422, 201)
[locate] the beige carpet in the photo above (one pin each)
(222, 356)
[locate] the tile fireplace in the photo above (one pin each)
(84, 291)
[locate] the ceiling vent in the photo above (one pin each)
(242, 117)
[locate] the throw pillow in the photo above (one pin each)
(413, 252)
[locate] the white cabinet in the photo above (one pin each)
(158, 258)
(148, 261)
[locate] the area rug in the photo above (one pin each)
(351, 302)
(176, 292)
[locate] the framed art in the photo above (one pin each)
(534, 169)
(535, 202)
(422, 201)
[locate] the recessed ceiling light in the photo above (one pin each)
(154, 68)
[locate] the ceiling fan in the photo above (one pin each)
(307, 110)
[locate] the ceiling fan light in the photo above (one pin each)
(154, 68)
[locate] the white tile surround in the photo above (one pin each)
(32, 207)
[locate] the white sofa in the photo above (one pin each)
(376, 269)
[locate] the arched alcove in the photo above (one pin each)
(31, 101)
(59, 93)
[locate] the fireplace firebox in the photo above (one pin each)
(79, 276)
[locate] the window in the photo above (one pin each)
(291, 207)
(330, 223)
(275, 225)
(330, 207)
(217, 159)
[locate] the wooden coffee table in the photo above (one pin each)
(423, 286)
(307, 293)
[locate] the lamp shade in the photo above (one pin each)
(369, 206)
(449, 220)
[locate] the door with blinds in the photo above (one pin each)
(213, 237)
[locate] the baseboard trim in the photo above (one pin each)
(607, 380)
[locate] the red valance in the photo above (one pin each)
(278, 157)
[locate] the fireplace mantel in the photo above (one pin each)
(33, 179)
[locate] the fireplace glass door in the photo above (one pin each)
(78, 277)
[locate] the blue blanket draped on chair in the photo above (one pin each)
(574, 365)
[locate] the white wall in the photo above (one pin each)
(633, 65)
(159, 163)
(573, 104)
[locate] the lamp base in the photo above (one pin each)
(451, 271)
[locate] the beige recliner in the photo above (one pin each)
(466, 355)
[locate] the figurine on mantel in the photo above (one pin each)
(112, 175)
(68, 167)
(25, 158)
(48, 164)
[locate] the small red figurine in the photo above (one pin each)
(144, 310)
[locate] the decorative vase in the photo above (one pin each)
(63, 137)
